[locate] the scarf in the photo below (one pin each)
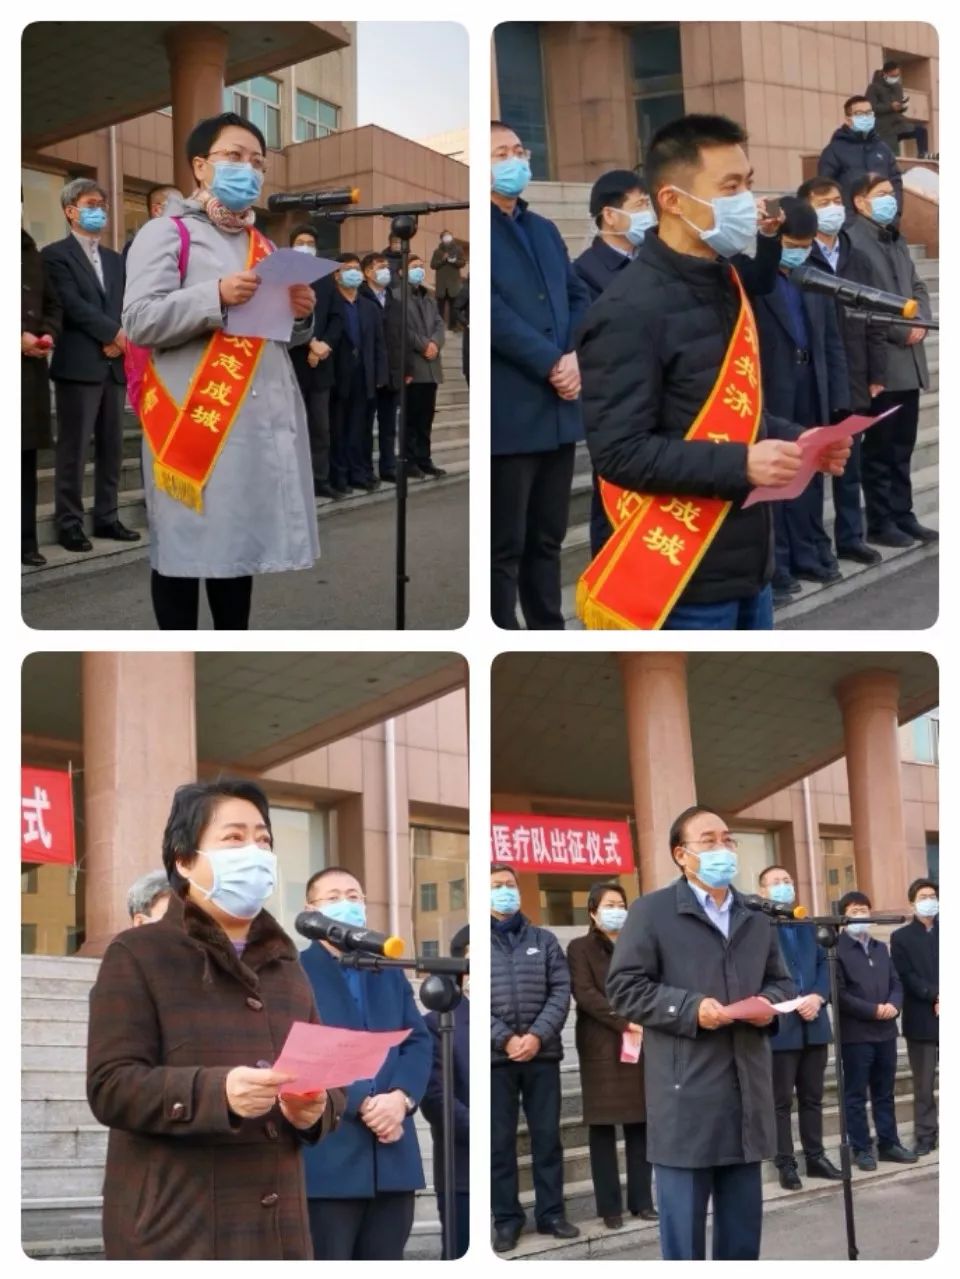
(223, 219)
(512, 924)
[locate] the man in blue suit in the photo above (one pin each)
(361, 1187)
(804, 372)
(800, 1043)
(360, 368)
(537, 302)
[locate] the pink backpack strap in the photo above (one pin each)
(184, 259)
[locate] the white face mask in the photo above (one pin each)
(243, 879)
(305, 248)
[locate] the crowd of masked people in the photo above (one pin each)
(702, 1099)
(624, 344)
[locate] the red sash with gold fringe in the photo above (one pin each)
(186, 440)
(657, 542)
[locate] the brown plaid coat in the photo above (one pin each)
(173, 1010)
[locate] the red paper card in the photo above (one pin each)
(332, 1056)
(756, 1006)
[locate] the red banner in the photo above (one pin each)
(46, 817)
(565, 845)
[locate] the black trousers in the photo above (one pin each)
(28, 501)
(537, 1085)
(848, 525)
(318, 425)
(923, 1066)
(374, 1229)
(530, 505)
(461, 1209)
(605, 1170)
(350, 424)
(870, 1070)
(799, 1071)
(86, 409)
(885, 462)
(176, 602)
(421, 406)
(385, 408)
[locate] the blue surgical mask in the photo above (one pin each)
(243, 879)
(641, 220)
(717, 867)
(345, 911)
(382, 277)
(734, 227)
(793, 257)
(236, 186)
(883, 209)
(864, 123)
(352, 278)
(415, 275)
(785, 894)
(831, 218)
(612, 918)
(510, 177)
(306, 248)
(892, 79)
(92, 219)
(859, 929)
(505, 899)
(928, 907)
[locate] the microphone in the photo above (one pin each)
(320, 927)
(852, 294)
(768, 907)
(313, 199)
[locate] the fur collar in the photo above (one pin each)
(267, 943)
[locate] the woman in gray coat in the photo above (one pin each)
(254, 512)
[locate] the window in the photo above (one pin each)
(439, 874)
(73, 940)
(926, 738)
(301, 839)
(28, 939)
(657, 78)
(458, 894)
(257, 100)
(933, 856)
(315, 118)
(520, 82)
(430, 949)
(428, 897)
(840, 871)
(29, 879)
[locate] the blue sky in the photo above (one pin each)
(412, 77)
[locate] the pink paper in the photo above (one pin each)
(630, 1045)
(332, 1056)
(812, 445)
(757, 1006)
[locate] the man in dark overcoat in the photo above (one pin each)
(40, 320)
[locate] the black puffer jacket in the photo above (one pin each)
(529, 989)
(849, 155)
(650, 352)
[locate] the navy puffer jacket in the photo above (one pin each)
(529, 989)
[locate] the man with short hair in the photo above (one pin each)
(376, 287)
(870, 998)
(422, 370)
(685, 953)
(148, 898)
(360, 367)
(886, 96)
(361, 1185)
(800, 1044)
(856, 148)
(529, 1003)
(313, 364)
(915, 950)
(158, 197)
(87, 367)
(672, 402)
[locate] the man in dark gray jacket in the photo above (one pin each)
(685, 953)
(422, 370)
(529, 1002)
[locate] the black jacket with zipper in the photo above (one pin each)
(529, 990)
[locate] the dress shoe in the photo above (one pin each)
(859, 552)
(505, 1239)
(390, 477)
(116, 532)
(820, 1166)
(923, 1148)
(368, 486)
(790, 1178)
(560, 1228)
(865, 1161)
(74, 539)
(890, 536)
(339, 493)
(919, 532)
(414, 472)
(784, 584)
(429, 469)
(896, 1155)
(782, 598)
(822, 575)
(648, 1214)
(32, 559)
(613, 1223)
(323, 490)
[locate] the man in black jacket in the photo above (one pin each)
(529, 1003)
(360, 367)
(915, 950)
(376, 287)
(685, 953)
(651, 351)
(856, 148)
(422, 369)
(87, 367)
(870, 998)
(314, 366)
(886, 95)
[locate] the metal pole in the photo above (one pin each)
(393, 867)
(845, 1166)
(401, 586)
(449, 1166)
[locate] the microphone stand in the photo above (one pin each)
(441, 994)
(403, 225)
(828, 933)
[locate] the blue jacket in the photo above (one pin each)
(778, 347)
(371, 353)
(352, 1163)
(536, 306)
(598, 265)
(91, 312)
(433, 1098)
(866, 980)
(807, 962)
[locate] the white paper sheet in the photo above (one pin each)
(269, 313)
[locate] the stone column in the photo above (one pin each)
(198, 61)
(661, 755)
(139, 745)
(869, 702)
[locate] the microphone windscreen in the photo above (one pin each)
(800, 912)
(393, 947)
(910, 308)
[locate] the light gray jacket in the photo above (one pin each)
(259, 511)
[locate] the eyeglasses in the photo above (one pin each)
(351, 896)
(507, 153)
(236, 156)
(867, 111)
(728, 842)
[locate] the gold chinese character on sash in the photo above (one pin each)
(150, 400)
(737, 399)
(243, 344)
(231, 365)
(628, 504)
(669, 545)
(207, 417)
(718, 437)
(685, 512)
(219, 391)
(750, 337)
(747, 369)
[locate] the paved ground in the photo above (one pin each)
(350, 588)
(907, 600)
